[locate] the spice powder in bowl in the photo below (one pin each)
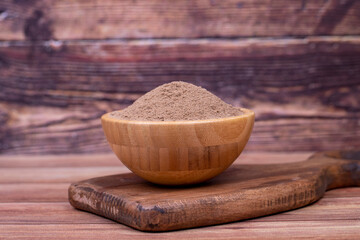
(178, 134)
(177, 101)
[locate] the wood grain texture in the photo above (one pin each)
(34, 215)
(32, 187)
(33, 212)
(63, 19)
(54, 175)
(32, 170)
(241, 192)
(110, 160)
(340, 229)
(304, 91)
(33, 192)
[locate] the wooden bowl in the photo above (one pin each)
(178, 152)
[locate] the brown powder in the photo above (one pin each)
(177, 101)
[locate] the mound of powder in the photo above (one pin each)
(177, 101)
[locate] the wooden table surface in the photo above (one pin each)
(33, 204)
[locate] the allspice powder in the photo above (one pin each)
(177, 101)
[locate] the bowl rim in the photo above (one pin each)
(246, 114)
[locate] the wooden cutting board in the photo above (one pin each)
(241, 192)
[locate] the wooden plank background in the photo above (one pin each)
(65, 63)
(99, 19)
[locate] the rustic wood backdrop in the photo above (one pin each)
(64, 63)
